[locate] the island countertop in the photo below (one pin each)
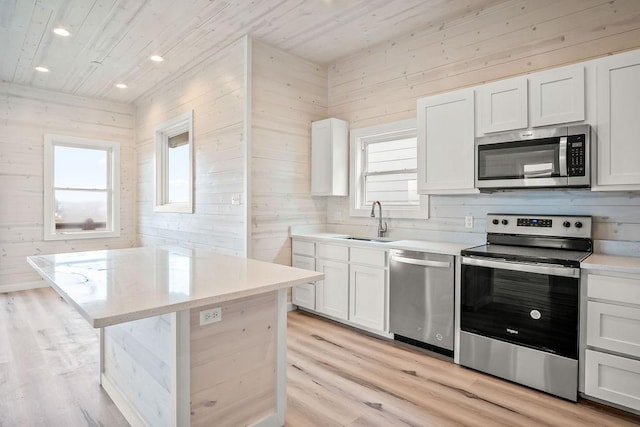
(115, 286)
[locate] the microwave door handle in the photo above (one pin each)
(562, 156)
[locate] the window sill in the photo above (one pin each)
(79, 235)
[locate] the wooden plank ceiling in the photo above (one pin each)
(111, 40)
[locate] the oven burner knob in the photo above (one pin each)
(567, 224)
(578, 224)
(495, 222)
(505, 222)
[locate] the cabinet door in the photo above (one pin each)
(612, 378)
(367, 296)
(503, 105)
(446, 143)
(618, 100)
(332, 293)
(613, 327)
(557, 96)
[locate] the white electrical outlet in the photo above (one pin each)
(236, 199)
(211, 315)
(468, 221)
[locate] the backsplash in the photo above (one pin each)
(616, 216)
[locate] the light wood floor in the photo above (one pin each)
(49, 365)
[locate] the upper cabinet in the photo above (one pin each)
(541, 99)
(557, 96)
(446, 143)
(330, 158)
(618, 103)
(502, 105)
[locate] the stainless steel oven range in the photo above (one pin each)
(520, 299)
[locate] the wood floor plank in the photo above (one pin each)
(336, 376)
(440, 392)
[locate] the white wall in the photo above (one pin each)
(382, 84)
(215, 91)
(288, 93)
(26, 114)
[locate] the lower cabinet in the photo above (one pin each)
(612, 354)
(612, 378)
(304, 295)
(354, 289)
(332, 293)
(367, 296)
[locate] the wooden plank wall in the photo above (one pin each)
(26, 114)
(233, 384)
(215, 91)
(288, 93)
(382, 84)
(137, 356)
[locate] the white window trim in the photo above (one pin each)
(420, 211)
(113, 178)
(164, 131)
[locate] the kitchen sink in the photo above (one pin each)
(369, 239)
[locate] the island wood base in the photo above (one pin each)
(168, 370)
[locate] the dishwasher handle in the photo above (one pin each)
(421, 262)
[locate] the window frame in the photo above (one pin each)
(399, 129)
(165, 130)
(113, 186)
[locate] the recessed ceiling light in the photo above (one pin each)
(42, 69)
(156, 58)
(61, 32)
(121, 86)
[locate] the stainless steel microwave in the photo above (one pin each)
(538, 158)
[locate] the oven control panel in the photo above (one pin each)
(540, 225)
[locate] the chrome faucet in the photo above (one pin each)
(381, 228)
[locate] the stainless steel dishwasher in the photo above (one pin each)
(421, 299)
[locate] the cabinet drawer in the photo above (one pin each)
(304, 296)
(611, 288)
(339, 253)
(303, 248)
(304, 262)
(372, 257)
(613, 327)
(612, 378)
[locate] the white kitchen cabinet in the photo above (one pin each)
(618, 101)
(612, 351)
(613, 378)
(332, 293)
(304, 295)
(330, 158)
(368, 288)
(557, 96)
(446, 143)
(503, 105)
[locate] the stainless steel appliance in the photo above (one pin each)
(539, 158)
(520, 299)
(421, 305)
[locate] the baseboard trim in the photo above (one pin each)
(24, 286)
(291, 307)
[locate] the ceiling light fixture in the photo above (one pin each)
(121, 86)
(156, 58)
(61, 32)
(42, 69)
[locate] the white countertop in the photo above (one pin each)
(115, 286)
(444, 248)
(622, 264)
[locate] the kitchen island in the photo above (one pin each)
(188, 337)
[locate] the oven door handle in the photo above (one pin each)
(421, 262)
(548, 269)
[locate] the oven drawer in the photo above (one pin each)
(613, 327)
(612, 378)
